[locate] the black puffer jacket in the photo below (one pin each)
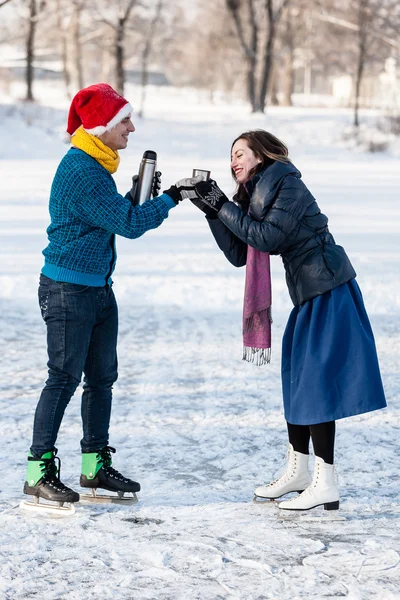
(284, 219)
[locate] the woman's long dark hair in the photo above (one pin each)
(265, 147)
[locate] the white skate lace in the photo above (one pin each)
(310, 490)
(285, 476)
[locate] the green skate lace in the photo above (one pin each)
(105, 456)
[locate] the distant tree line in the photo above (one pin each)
(248, 47)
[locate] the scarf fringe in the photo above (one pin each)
(259, 356)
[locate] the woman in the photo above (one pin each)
(329, 363)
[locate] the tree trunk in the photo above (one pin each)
(273, 96)
(249, 49)
(76, 52)
(251, 83)
(30, 49)
(252, 61)
(119, 47)
(267, 59)
(107, 64)
(359, 75)
(146, 56)
(63, 51)
(144, 75)
(119, 57)
(362, 46)
(288, 79)
(272, 21)
(288, 59)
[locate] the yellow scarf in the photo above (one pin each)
(109, 159)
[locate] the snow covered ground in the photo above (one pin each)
(198, 427)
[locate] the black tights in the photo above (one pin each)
(323, 439)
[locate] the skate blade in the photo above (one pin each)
(261, 500)
(49, 509)
(103, 499)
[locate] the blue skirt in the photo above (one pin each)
(330, 367)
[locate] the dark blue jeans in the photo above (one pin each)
(82, 329)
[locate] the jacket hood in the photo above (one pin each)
(262, 188)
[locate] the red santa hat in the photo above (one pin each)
(98, 108)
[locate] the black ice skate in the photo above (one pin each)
(97, 473)
(43, 482)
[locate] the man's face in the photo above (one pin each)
(117, 137)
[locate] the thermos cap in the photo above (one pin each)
(150, 154)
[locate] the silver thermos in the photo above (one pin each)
(146, 176)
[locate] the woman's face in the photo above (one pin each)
(243, 161)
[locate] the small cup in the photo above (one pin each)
(201, 172)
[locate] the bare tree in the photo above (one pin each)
(4, 2)
(371, 27)
(288, 46)
(274, 14)
(262, 21)
(146, 55)
(30, 48)
(372, 18)
(249, 46)
(362, 39)
(209, 59)
(75, 46)
(118, 25)
(123, 16)
(63, 48)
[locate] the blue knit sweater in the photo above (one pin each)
(86, 212)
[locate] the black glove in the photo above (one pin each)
(207, 210)
(156, 184)
(210, 199)
(184, 188)
(132, 192)
(154, 190)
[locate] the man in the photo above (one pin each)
(75, 291)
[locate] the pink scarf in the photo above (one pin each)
(257, 317)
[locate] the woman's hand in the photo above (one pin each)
(210, 199)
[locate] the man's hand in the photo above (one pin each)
(156, 184)
(184, 188)
(154, 191)
(132, 193)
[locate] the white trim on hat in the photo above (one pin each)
(124, 112)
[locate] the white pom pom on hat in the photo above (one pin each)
(98, 108)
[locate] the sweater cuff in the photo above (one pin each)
(167, 200)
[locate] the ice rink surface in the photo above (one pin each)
(197, 426)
